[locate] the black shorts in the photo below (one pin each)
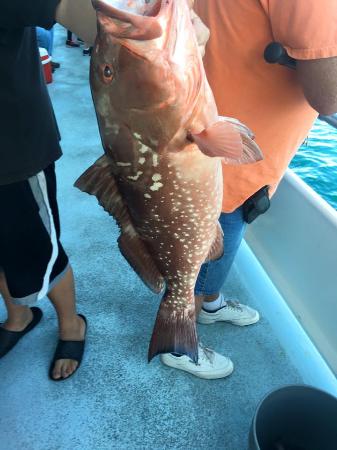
(31, 254)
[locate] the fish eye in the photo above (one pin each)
(108, 73)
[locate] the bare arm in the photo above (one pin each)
(79, 17)
(319, 82)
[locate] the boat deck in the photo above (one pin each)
(117, 400)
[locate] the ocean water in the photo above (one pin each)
(316, 161)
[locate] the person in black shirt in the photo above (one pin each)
(33, 262)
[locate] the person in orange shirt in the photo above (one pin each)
(278, 104)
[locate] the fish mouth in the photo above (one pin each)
(132, 19)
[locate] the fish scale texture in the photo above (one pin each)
(117, 400)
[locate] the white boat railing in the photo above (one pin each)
(296, 244)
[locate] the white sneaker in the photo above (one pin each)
(211, 365)
(232, 312)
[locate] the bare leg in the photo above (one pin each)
(71, 326)
(18, 317)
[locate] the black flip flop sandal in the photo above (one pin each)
(9, 339)
(69, 350)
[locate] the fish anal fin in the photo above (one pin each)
(99, 181)
(134, 251)
(174, 330)
(230, 140)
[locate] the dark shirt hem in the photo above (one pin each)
(26, 173)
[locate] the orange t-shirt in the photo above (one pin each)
(267, 98)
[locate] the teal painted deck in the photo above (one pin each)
(117, 400)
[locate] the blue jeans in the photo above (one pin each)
(45, 39)
(213, 274)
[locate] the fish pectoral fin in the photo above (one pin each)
(99, 180)
(174, 330)
(217, 247)
(230, 140)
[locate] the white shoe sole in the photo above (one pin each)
(206, 375)
(209, 318)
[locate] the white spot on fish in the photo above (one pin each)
(137, 136)
(130, 230)
(103, 106)
(155, 160)
(141, 160)
(123, 164)
(156, 177)
(147, 196)
(143, 149)
(156, 186)
(136, 177)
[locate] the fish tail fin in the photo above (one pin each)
(230, 140)
(174, 330)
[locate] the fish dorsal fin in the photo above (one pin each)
(230, 140)
(125, 25)
(99, 180)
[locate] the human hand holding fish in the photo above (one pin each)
(79, 16)
(201, 31)
(164, 142)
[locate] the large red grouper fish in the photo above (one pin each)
(160, 176)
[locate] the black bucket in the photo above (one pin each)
(295, 418)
